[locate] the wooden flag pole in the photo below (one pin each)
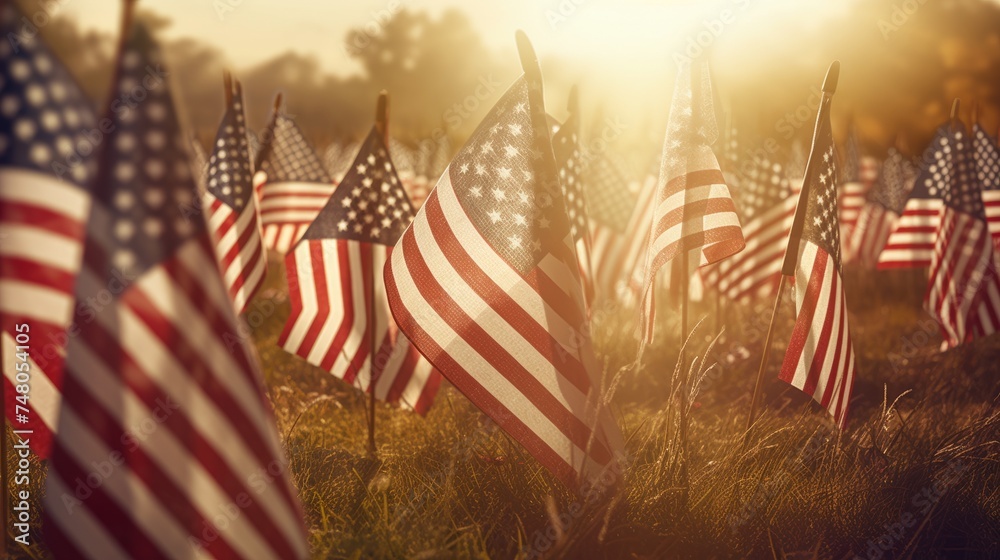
(956, 106)
(227, 84)
(792, 249)
(268, 138)
(382, 126)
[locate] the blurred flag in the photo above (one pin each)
(566, 146)
(485, 283)
(43, 204)
(329, 281)
(296, 188)
(693, 210)
(820, 356)
(232, 207)
(885, 202)
(164, 350)
(767, 207)
(620, 211)
(988, 172)
(911, 243)
(963, 289)
(338, 158)
(859, 176)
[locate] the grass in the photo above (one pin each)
(916, 471)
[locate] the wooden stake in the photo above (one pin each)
(267, 139)
(227, 84)
(382, 126)
(792, 249)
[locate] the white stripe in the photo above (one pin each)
(37, 244)
(35, 302)
(45, 397)
(32, 188)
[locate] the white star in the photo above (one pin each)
(464, 168)
(519, 220)
(515, 129)
(480, 169)
(361, 168)
(515, 241)
(346, 202)
(504, 173)
(342, 225)
(511, 151)
(476, 191)
(499, 194)
(494, 216)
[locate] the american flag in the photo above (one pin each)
(820, 356)
(566, 146)
(330, 274)
(860, 173)
(297, 186)
(692, 209)
(44, 170)
(911, 244)
(338, 158)
(988, 172)
(620, 211)
(963, 289)
(767, 207)
(160, 353)
(885, 202)
(485, 282)
(232, 207)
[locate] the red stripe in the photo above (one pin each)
(823, 344)
(41, 218)
(838, 339)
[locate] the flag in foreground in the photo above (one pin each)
(43, 207)
(164, 425)
(232, 207)
(330, 275)
(693, 210)
(297, 185)
(485, 282)
(820, 356)
(963, 289)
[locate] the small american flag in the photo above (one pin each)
(911, 243)
(159, 352)
(860, 174)
(693, 210)
(43, 207)
(566, 146)
(988, 172)
(297, 186)
(330, 274)
(619, 209)
(820, 356)
(885, 202)
(767, 207)
(485, 282)
(232, 208)
(963, 289)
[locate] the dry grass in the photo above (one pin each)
(916, 471)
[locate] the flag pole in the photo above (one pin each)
(265, 144)
(382, 126)
(792, 249)
(227, 84)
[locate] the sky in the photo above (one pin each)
(606, 32)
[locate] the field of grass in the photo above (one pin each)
(914, 476)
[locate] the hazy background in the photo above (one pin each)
(903, 61)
